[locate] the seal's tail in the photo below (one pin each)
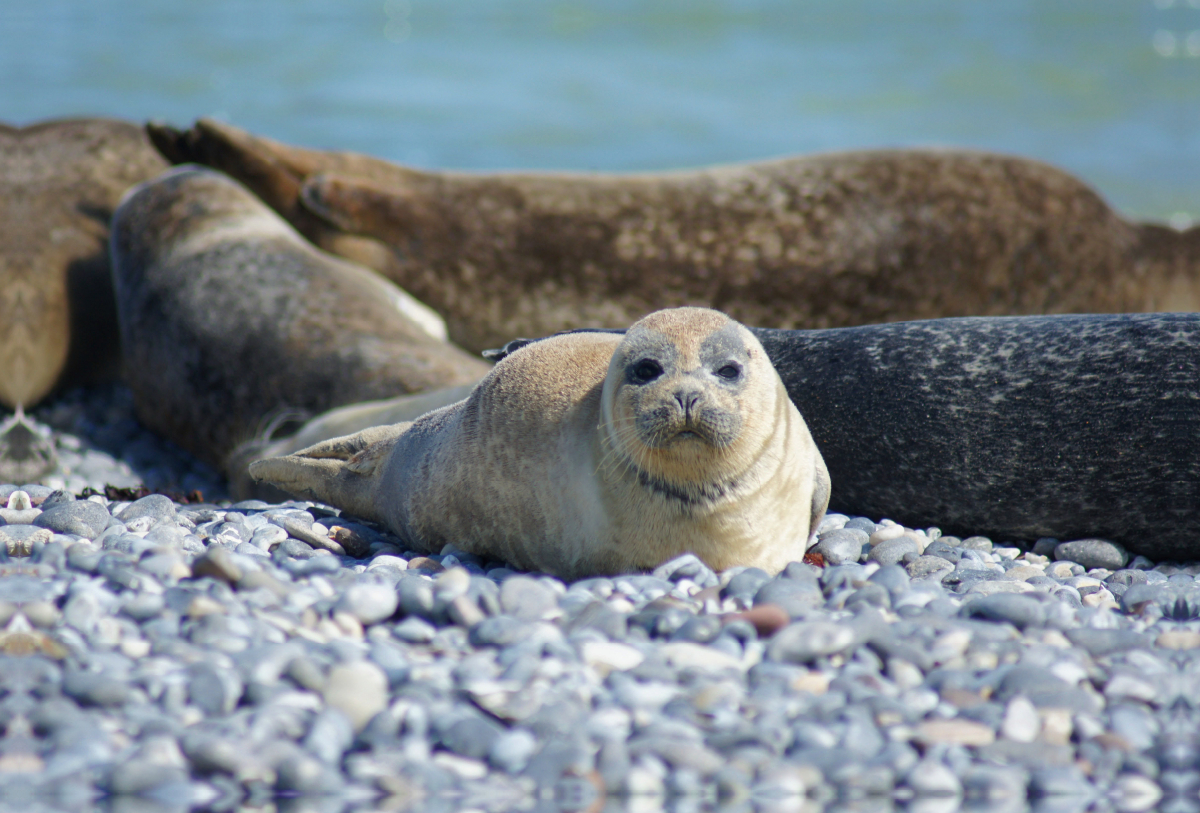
(340, 471)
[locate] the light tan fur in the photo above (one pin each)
(558, 462)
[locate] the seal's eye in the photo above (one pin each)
(730, 372)
(646, 370)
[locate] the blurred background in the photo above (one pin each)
(1107, 89)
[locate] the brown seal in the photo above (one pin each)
(59, 184)
(594, 453)
(810, 242)
(229, 318)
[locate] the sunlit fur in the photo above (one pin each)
(559, 461)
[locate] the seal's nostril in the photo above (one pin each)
(687, 401)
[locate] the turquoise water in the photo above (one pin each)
(1108, 89)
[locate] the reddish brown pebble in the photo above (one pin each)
(355, 544)
(426, 564)
(815, 559)
(767, 619)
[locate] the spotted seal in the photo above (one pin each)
(592, 453)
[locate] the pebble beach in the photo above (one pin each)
(177, 651)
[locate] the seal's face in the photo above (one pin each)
(678, 403)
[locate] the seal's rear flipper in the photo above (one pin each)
(340, 471)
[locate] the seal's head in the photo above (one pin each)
(689, 404)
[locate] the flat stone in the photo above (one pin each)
(767, 619)
(609, 656)
(83, 518)
(298, 529)
(992, 587)
(803, 642)
(1020, 611)
(956, 731)
(1092, 553)
(928, 568)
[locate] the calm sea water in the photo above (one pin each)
(1108, 89)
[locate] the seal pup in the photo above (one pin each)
(593, 453)
(59, 184)
(810, 242)
(229, 319)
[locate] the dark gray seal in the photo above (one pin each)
(229, 319)
(1014, 427)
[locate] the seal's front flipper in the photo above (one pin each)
(340, 471)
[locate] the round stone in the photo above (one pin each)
(841, 545)
(359, 690)
(892, 551)
(525, 598)
(155, 506)
(369, 602)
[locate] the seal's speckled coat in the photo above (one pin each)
(1018, 428)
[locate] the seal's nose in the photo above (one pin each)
(688, 400)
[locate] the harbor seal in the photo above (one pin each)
(59, 184)
(811, 242)
(593, 453)
(230, 319)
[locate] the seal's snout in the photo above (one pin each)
(689, 403)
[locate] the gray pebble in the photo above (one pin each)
(1019, 610)
(861, 524)
(369, 602)
(929, 568)
(1092, 553)
(803, 642)
(526, 598)
(891, 551)
(83, 518)
(156, 506)
(841, 545)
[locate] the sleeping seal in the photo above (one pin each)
(59, 184)
(593, 453)
(229, 319)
